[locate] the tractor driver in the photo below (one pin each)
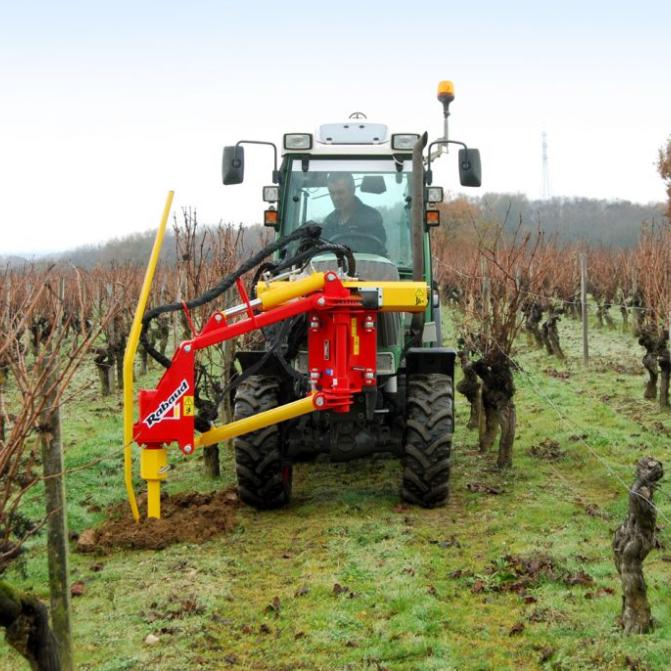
(352, 222)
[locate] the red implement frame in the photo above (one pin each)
(342, 353)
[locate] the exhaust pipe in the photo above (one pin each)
(417, 221)
(417, 208)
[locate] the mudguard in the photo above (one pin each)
(430, 360)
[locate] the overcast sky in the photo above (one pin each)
(104, 107)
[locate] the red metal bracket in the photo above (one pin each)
(342, 357)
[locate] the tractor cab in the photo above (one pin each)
(355, 179)
(360, 202)
(352, 178)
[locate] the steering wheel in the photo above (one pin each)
(351, 237)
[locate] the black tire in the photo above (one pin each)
(264, 476)
(428, 440)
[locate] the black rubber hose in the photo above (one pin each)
(340, 251)
(309, 231)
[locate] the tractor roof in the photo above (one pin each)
(349, 138)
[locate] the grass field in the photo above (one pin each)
(347, 579)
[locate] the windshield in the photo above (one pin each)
(363, 203)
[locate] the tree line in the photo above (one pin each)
(612, 223)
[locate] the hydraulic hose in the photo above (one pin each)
(302, 257)
(308, 231)
(311, 246)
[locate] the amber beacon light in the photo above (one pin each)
(445, 96)
(445, 92)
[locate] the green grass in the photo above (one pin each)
(406, 607)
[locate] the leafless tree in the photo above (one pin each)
(46, 373)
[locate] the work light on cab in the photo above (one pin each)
(297, 141)
(434, 194)
(271, 194)
(404, 141)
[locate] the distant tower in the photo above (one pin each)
(546, 172)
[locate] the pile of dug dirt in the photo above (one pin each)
(188, 517)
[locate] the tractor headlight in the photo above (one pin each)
(434, 194)
(297, 141)
(404, 142)
(271, 194)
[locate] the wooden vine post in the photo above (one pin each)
(57, 527)
(583, 305)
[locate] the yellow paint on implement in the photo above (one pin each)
(276, 293)
(129, 358)
(397, 296)
(153, 469)
(355, 338)
(256, 422)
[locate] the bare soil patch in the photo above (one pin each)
(188, 517)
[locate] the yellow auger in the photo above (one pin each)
(150, 467)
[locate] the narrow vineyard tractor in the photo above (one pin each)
(353, 362)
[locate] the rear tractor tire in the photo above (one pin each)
(264, 475)
(428, 440)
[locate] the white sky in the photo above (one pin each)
(104, 107)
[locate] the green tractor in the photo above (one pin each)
(371, 193)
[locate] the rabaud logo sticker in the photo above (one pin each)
(167, 405)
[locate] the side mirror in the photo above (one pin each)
(233, 165)
(470, 171)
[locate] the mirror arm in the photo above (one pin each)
(276, 173)
(429, 174)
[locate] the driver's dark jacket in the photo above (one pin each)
(364, 219)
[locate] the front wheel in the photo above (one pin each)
(264, 476)
(428, 440)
